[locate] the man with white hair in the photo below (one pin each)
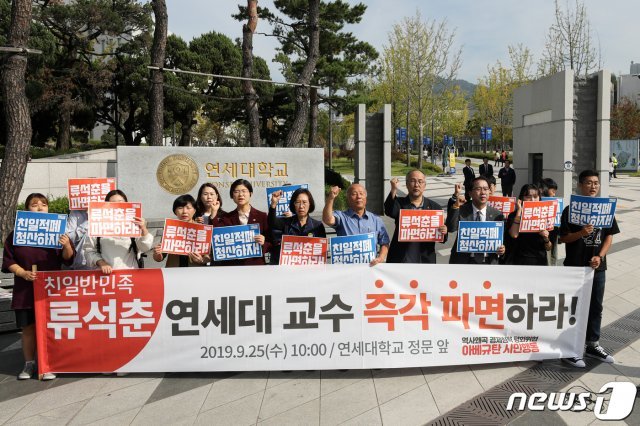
(356, 219)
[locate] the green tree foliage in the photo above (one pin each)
(625, 120)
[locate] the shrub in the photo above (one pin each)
(56, 205)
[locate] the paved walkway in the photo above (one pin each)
(391, 396)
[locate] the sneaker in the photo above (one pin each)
(48, 376)
(575, 362)
(598, 353)
(27, 371)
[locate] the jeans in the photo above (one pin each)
(595, 307)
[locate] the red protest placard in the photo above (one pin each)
(82, 191)
(505, 204)
(420, 226)
(538, 215)
(303, 250)
(114, 219)
(180, 237)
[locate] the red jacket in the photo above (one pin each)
(255, 216)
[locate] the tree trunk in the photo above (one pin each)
(187, 127)
(302, 92)
(18, 124)
(250, 96)
(63, 141)
(156, 100)
(313, 119)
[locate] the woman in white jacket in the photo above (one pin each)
(108, 253)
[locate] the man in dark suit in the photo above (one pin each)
(474, 210)
(469, 176)
(485, 168)
(507, 179)
(410, 252)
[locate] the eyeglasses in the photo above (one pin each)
(416, 181)
(240, 191)
(481, 189)
(301, 203)
(591, 183)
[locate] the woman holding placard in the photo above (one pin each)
(527, 248)
(209, 205)
(109, 253)
(23, 261)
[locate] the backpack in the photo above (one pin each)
(133, 247)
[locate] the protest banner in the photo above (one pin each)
(506, 205)
(480, 237)
(595, 211)
(114, 219)
(283, 203)
(327, 317)
(82, 191)
(559, 209)
(38, 229)
(180, 237)
(538, 215)
(236, 242)
(297, 250)
(420, 225)
(353, 248)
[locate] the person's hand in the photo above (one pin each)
(275, 197)
(259, 239)
(64, 240)
(443, 229)
(157, 250)
(544, 234)
(587, 230)
(457, 190)
(196, 258)
(333, 193)
(26, 275)
(460, 200)
(287, 213)
(519, 208)
(595, 262)
(376, 261)
(200, 219)
(394, 183)
(501, 250)
(106, 268)
(142, 224)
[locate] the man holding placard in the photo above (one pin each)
(476, 210)
(414, 212)
(587, 245)
(356, 220)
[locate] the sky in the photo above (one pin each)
(484, 28)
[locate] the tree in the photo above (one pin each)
(625, 120)
(158, 50)
(250, 95)
(569, 43)
(16, 110)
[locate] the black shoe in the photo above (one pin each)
(575, 362)
(598, 353)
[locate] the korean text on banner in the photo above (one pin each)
(82, 191)
(37, 229)
(559, 209)
(114, 219)
(506, 205)
(353, 248)
(283, 203)
(236, 242)
(180, 237)
(297, 250)
(344, 316)
(538, 215)
(420, 225)
(595, 211)
(480, 237)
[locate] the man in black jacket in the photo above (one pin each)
(475, 210)
(485, 168)
(410, 252)
(469, 176)
(507, 179)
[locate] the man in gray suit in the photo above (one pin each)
(474, 210)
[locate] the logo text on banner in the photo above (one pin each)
(506, 205)
(297, 250)
(83, 191)
(37, 229)
(236, 242)
(283, 203)
(420, 225)
(538, 215)
(595, 211)
(114, 219)
(180, 237)
(480, 237)
(353, 248)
